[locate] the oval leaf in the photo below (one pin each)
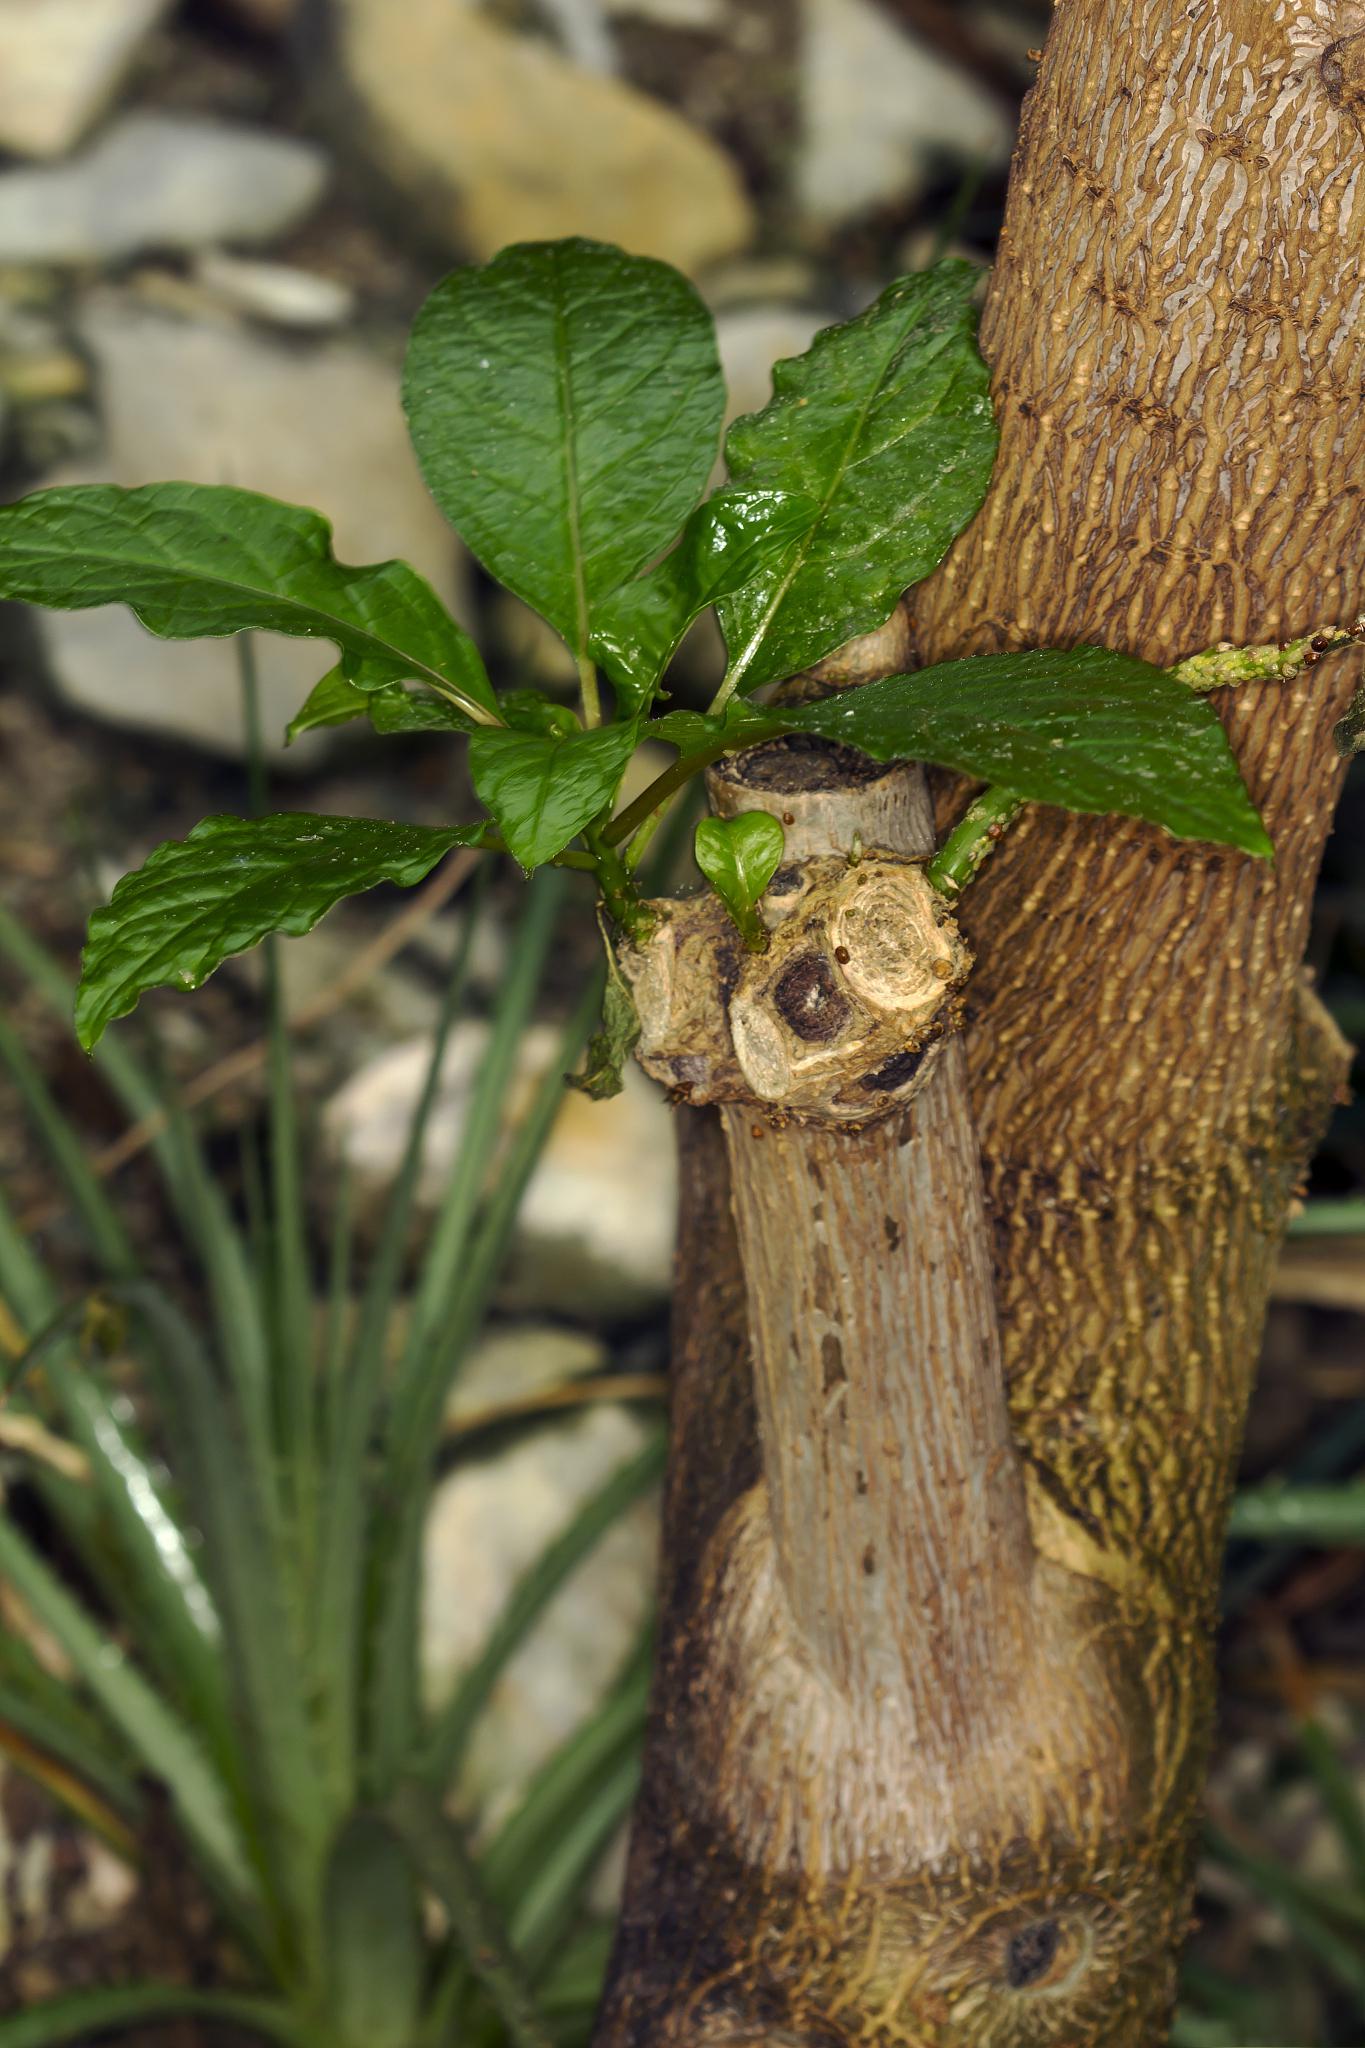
(887, 423)
(739, 857)
(1089, 730)
(197, 560)
(565, 402)
(1086, 729)
(543, 788)
(233, 881)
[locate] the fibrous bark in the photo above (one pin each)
(862, 1818)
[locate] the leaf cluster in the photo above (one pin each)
(566, 403)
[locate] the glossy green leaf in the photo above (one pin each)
(734, 537)
(886, 422)
(198, 560)
(1089, 730)
(197, 900)
(333, 701)
(565, 403)
(399, 711)
(739, 857)
(543, 788)
(1086, 729)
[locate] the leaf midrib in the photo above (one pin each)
(421, 671)
(803, 547)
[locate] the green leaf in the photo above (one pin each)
(739, 857)
(565, 402)
(374, 1954)
(333, 701)
(400, 710)
(543, 788)
(1086, 729)
(80, 2015)
(438, 1847)
(1089, 730)
(197, 900)
(198, 560)
(887, 423)
(1349, 732)
(735, 536)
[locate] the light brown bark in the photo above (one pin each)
(1178, 352)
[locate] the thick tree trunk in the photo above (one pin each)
(933, 1701)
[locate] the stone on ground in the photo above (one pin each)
(208, 401)
(61, 62)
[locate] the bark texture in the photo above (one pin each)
(1178, 351)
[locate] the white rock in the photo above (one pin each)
(208, 401)
(159, 181)
(751, 339)
(595, 1232)
(61, 62)
(490, 1521)
(498, 138)
(276, 292)
(877, 109)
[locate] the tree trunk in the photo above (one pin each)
(934, 1682)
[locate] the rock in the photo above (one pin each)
(878, 109)
(159, 181)
(595, 1233)
(207, 401)
(61, 61)
(490, 1520)
(495, 137)
(275, 292)
(516, 1360)
(751, 339)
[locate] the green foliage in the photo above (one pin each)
(542, 788)
(739, 857)
(202, 559)
(565, 403)
(234, 880)
(886, 423)
(244, 1597)
(724, 545)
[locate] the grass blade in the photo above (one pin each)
(442, 1856)
(1281, 1512)
(152, 1732)
(85, 2013)
(528, 1601)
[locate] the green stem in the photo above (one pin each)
(660, 790)
(976, 835)
(591, 695)
(1225, 666)
(617, 884)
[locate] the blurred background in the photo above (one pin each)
(217, 219)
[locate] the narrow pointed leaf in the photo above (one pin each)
(81, 2015)
(333, 701)
(565, 402)
(197, 900)
(543, 788)
(886, 422)
(734, 537)
(198, 560)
